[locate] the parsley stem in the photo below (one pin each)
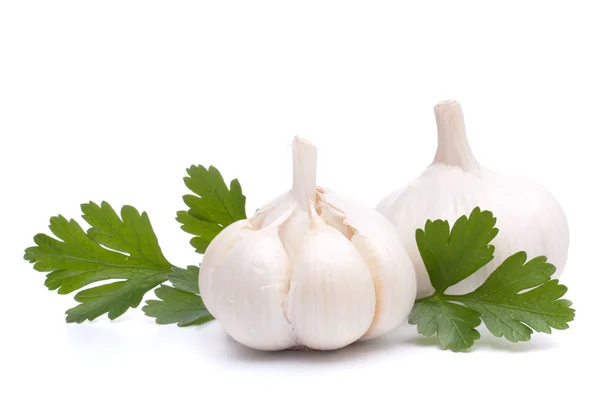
(437, 296)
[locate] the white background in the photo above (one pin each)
(112, 100)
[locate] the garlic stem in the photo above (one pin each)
(453, 146)
(305, 172)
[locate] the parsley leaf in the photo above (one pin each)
(450, 257)
(177, 306)
(123, 248)
(126, 249)
(185, 279)
(181, 303)
(213, 208)
(454, 324)
(517, 298)
(513, 315)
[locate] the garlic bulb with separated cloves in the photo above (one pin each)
(528, 216)
(310, 270)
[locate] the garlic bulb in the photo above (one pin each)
(312, 269)
(528, 216)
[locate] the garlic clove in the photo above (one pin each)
(253, 282)
(332, 298)
(378, 243)
(394, 279)
(214, 256)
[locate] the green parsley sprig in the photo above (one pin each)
(517, 298)
(123, 252)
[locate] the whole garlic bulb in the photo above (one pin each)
(312, 269)
(528, 216)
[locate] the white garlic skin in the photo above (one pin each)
(311, 270)
(530, 219)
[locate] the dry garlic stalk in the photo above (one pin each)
(312, 269)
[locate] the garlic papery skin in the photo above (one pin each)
(529, 218)
(310, 270)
